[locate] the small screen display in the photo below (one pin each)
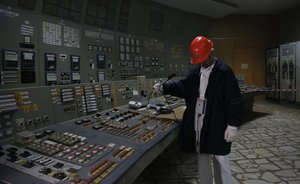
(100, 61)
(75, 63)
(10, 59)
(50, 62)
(27, 60)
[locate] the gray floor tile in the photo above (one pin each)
(267, 151)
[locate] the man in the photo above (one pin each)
(213, 111)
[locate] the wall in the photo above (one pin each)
(256, 32)
(290, 25)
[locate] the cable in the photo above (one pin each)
(171, 109)
(151, 92)
(148, 100)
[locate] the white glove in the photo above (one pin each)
(157, 88)
(230, 133)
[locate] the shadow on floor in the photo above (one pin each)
(285, 103)
(252, 115)
(171, 167)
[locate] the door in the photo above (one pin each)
(243, 64)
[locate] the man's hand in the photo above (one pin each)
(157, 88)
(230, 133)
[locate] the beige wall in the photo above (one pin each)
(256, 32)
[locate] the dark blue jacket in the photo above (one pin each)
(224, 106)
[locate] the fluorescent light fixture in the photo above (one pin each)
(226, 3)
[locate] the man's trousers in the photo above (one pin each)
(214, 166)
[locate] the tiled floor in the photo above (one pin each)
(267, 151)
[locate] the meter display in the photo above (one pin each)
(100, 61)
(75, 63)
(10, 60)
(27, 60)
(50, 62)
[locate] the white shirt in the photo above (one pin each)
(201, 103)
(204, 76)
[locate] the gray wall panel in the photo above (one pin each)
(154, 54)
(138, 28)
(15, 24)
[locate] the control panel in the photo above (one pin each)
(50, 69)
(68, 147)
(78, 100)
(130, 56)
(55, 156)
(62, 77)
(10, 65)
(10, 60)
(96, 148)
(162, 105)
(8, 106)
(99, 47)
(128, 90)
(34, 108)
(37, 165)
(272, 72)
(75, 69)
(50, 51)
(27, 67)
(127, 124)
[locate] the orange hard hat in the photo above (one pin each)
(200, 49)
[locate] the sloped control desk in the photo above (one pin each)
(112, 146)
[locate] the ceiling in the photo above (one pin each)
(221, 8)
